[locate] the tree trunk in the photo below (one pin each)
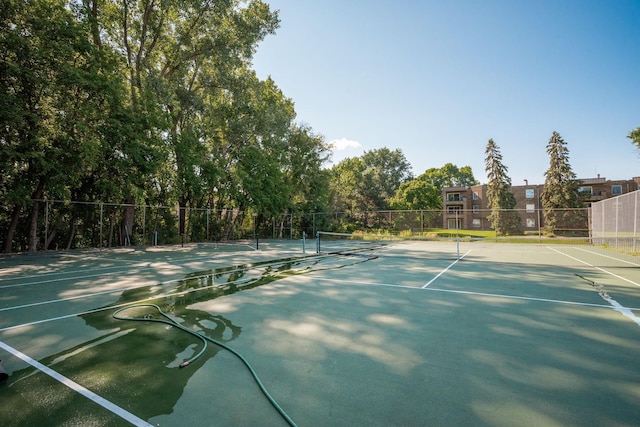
(73, 232)
(49, 238)
(127, 221)
(33, 224)
(15, 216)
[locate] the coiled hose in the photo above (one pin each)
(170, 321)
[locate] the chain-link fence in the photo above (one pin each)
(615, 222)
(58, 225)
(390, 222)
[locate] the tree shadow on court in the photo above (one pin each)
(132, 364)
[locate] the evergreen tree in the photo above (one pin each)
(560, 196)
(634, 136)
(504, 219)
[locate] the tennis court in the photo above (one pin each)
(375, 333)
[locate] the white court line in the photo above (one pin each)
(110, 291)
(53, 301)
(610, 257)
(473, 293)
(109, 406)
(443, 271)
(140, 266)
(625, 311)
(597, 268)
(342, 281)
(113, 291)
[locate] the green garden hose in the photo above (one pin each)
(170, 321)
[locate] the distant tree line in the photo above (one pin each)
(156, 103)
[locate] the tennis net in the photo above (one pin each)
(332, 242)
(522, 249)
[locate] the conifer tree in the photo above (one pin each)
(634, 136)
(560, 196)
(504, 219)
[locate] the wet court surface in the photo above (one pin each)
(389, 335)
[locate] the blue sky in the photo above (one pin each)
(437, 79)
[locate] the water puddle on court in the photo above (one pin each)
(136, 365)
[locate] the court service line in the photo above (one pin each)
(597, 268)
(609, 257)
(625, 311)
(142, 266)
(479, 294)
(108, 405)
(342, 281)
(444, 271)
(53, 301)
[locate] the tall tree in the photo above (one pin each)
(144, 101)
(416, 194)
(560, 195)
(384, 171)
(302, 164)
(346, 184)
(56, 89)
(504, 219)
(449, 175)
(368, 182)
(634, 136)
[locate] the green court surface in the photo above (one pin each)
(405, 333)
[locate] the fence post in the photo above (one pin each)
(46, 221)
(144, 223)
(101, 221)
(635, 221)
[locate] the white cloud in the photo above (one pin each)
(344, 144)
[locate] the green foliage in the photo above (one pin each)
(346, 182)
(560, 192)
(384, 172)
(144, 102)
(368, 182)
(634, 136)
(449, 175)
(416, 194)
(504, 220)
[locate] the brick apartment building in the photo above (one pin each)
(467, 208)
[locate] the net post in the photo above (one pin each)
(304, 240)
(318, 242)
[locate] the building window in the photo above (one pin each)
(476, 209)
(616, 190)
(531, 223)
(475, 195)
(529, 193)
(531, 208)
(588, 191)
(454, 209)
(454, 224)
(453, 197)
(477, 222)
